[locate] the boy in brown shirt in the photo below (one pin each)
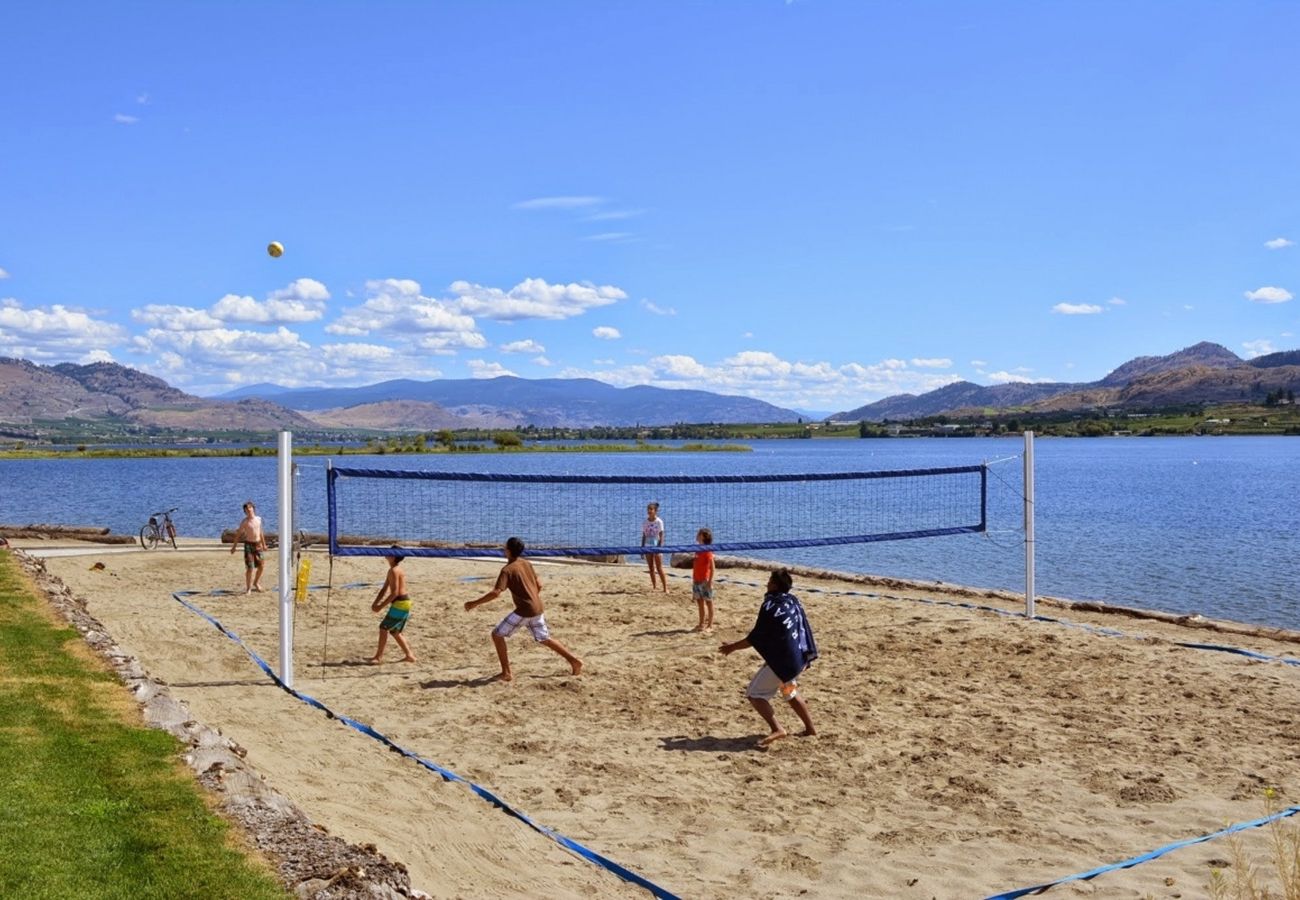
(519, 577)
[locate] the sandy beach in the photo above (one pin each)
(960, 752)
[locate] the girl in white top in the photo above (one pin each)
(652, 533)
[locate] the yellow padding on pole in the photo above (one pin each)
(304, 576)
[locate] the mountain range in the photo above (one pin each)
(32, 395)
(1200, 374)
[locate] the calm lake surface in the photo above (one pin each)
(1206, 525)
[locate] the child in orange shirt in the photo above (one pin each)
(702, 580)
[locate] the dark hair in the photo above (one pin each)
(515, 547)
(706, 536)
(781, 580)
(395, 556)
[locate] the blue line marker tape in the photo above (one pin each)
(1129, 863)
(446, 774)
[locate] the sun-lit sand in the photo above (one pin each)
(960, 753)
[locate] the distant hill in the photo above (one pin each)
(1285, 358)
(1204, 354)
(108, 391)
(265, 390)
(1203, 373)
(547, 402)
(413, 415)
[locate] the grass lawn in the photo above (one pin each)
(92, 803)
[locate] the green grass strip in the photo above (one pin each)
(92, 805)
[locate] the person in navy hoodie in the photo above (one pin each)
(783, 637)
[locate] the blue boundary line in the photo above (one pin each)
(1129, 863)
(446, 774)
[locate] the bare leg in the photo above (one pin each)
(650, 564)
(700, 604)
(257, 579)
(658, 562)
(248, 580)
(406, 648)
(801, 709)
(383, 642)
(764, 709)
(573, 661)
(708, 621)
(503, 655)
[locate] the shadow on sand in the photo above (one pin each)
(710, 744)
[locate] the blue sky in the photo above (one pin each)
(819, 204)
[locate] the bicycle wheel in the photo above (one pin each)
(171, 535)
(149, 537)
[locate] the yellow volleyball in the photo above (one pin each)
(275, 248)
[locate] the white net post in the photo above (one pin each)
(285, 458)
(1029, 524)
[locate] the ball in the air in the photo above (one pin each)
(275, 248)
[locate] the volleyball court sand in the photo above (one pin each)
(960, 753)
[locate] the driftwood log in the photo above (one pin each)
(44, 532)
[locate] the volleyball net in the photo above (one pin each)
(470, 514)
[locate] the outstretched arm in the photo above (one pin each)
(486, 598)
(389, 589)
(728, 649)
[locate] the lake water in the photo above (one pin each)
(1206, 525)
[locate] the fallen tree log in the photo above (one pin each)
(69, 530)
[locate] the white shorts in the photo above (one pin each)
(511, 623)
(766, 686)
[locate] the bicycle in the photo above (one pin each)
(154, 531)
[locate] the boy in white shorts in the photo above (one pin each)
(520, 578)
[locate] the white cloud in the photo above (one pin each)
(142, 99)
(302, 301)
(747, 335)
(1258, 348)
(3, 274)
(614, 215)
(54, 332)
(1005, 377)
(653, 307)
(123, 119)
(1076, 309)
(541, 361)
(533, 298)
(481, 369)
(932, 363)
(978, 363)
(175, 318)
(1278, 243)
(1117, 301)
(396, 306)
(528, 346)
(96, 356)
(610, 236)
(606, 333)
(565, 202)
(1268, 295)
(762, 374)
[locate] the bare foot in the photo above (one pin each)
(257, 589)
(247, 591)
(808, 732)
(698, 628)
(505, 676)
(408, 659)
(773, 738)
(374, 660)
(576, 665)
